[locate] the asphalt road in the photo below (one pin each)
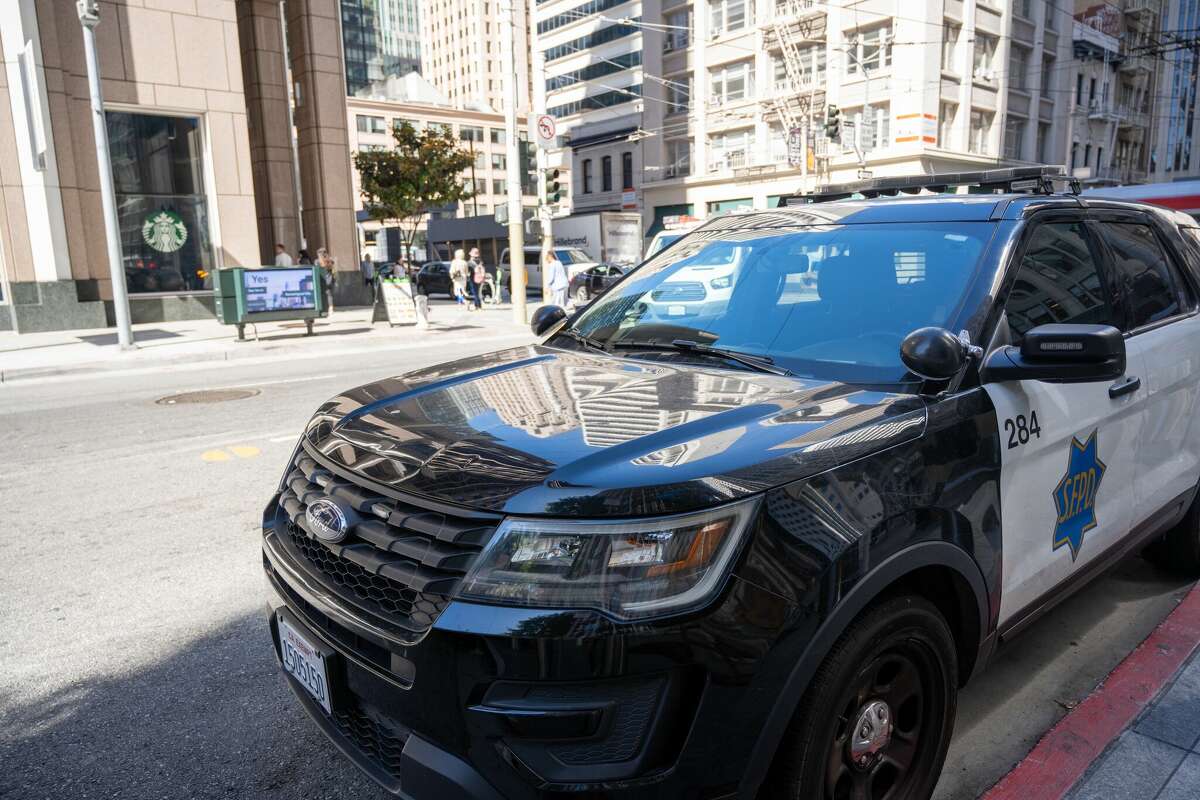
(134, 659)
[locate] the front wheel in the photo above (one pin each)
(581, 295)
(876, 720)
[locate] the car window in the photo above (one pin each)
(1144, 278)
(1058, 281)
(824, 301)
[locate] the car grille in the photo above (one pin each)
(382, 740)
(399, 561)
(681, 292)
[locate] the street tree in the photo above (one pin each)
(423, 171)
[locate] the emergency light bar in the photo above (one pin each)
(1035, 180)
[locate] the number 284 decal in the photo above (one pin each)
(1021, 430)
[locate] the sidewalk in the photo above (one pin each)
(1136, 737)
(65, 353)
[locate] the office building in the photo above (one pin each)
(461, 53)
(1175, 122)
(380, 39)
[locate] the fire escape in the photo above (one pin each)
(793, 26)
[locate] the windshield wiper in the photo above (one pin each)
(757, 363)
(586, 341)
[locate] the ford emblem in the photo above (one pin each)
(326, 520)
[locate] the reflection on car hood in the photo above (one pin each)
(539, 430)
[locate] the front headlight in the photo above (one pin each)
(629, 569)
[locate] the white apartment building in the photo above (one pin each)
(460, 51)
(694, 106)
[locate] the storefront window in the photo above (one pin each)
(161, 206)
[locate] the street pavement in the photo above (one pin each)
(134, 652)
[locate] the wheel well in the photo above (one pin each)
(953, 597)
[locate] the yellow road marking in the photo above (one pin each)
(214, 455)
(244, 450)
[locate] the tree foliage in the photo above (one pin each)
(423, 171)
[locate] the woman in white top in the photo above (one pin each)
(458, 274)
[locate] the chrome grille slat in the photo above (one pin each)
(402, 568)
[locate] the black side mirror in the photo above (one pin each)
(546, 318)
(1060, 353)
(935, 354)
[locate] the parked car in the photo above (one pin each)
(754, 552)
(594, 280)
(434, 278)
(574, 259)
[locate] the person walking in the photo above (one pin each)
(458, 274)
(478, 275)
(367, 265)
(556, 280)
(282, 257)
(328, 266)
(304, 259)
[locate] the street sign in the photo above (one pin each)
(795, 147)
(543, 130)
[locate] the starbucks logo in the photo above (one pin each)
(164, 231)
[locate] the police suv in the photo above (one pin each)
(751, 548)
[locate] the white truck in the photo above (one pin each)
(610, 237)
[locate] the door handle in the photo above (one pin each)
(1129, 383)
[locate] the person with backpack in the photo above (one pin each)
(478, 274)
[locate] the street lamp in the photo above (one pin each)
(89, 18)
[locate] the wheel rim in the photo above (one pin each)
(880, 737)
(581, 295)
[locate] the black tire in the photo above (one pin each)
(900, 654)
(1178, 550)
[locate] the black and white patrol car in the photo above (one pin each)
(750, 545)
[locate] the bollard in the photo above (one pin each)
(422, 312)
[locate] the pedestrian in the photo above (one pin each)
(305, 259)
(282, 257)
(458, 274)
(328, 266)
(478, 275)
(368, 270)
(556, 280)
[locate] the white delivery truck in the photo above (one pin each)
(609, 237)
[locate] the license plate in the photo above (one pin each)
(304, 662)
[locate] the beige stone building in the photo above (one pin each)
(196, 101)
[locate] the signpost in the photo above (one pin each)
(545, 130)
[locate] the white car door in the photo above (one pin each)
(1165, 332)
(1067, 449)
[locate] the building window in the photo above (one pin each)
(732, 82)
(1087, 155)
(1047, 75)
(731, 149)
(679, 158)
(400, 122)
(725, 16)
(949, 44)
(480, 186)
(873, 129)
(1014, 135)
(1018, 66)
(496, 135)
(1074, 155)
(499, 161)
(1051, 16)
(871, 50)
(440, 127)
(587, 176)
(679, 93)
(1092, 91)
(162, 208)
(606, 174)
(981, 127)
(679, 30)
(946, 114)
(1043, 142)
(470, 133)
(371, 124)
(985, 56)
(499, 186)
(1025, 8)
(627, 170)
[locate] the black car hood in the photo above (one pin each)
(541, 430)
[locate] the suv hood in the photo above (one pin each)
(541, 430)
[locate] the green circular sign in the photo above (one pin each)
(164, 231)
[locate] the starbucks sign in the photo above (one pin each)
(164, 231)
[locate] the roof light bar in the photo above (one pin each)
(1036, 180)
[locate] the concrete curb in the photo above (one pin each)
(1064, 754)
(149, 363)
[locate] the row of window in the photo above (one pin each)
(577, 13)
(594, 101)
(606, 173)
(598, 37)
(608, 66)
(466, 133)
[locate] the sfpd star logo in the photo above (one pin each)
(1075, 495)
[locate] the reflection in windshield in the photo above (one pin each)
(823, 300)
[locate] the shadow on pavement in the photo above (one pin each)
(214, 720)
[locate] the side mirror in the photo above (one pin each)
(935, 354)
(545, 318)
(1060, 353)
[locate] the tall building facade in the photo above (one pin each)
(380, 39)
(460, 51)
(1175, 122)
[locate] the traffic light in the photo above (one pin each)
(553, 188)
(833, 123)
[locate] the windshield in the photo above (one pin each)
(571, 255)
(662, 241)
(830, 302)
